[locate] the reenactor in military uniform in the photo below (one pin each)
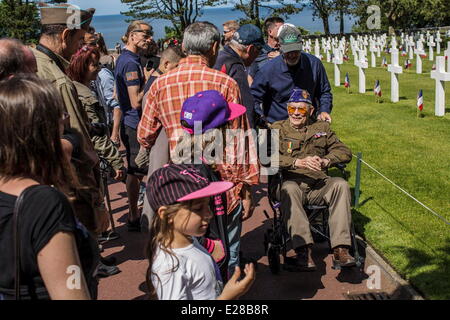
(307, 149)
(100, 138)
(63, 29)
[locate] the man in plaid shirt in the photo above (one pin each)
(163, 107)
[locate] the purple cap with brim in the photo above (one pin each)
(210, 109)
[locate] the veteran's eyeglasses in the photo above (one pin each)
(302, 110)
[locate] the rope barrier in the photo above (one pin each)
(405, 192)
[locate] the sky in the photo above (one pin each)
(103, 7)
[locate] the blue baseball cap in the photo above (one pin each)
(210, 108)
(300, 95)
(249, 34)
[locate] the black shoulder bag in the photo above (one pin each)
(16, 238)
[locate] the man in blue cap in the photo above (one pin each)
(239, 54)
(307, 149)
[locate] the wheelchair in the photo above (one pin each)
(276, 238)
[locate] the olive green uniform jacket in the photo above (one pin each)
(88, 205)
(96, 114)
(315, 139)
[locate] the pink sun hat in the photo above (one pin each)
(175, 183)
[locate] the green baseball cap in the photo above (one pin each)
(290, 38)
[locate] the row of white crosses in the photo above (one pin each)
(359, 49)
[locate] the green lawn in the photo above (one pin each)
(412, 152)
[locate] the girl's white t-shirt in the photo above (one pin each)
(196, 278)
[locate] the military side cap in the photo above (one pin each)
(290, 38)
(300, 95)
(67, 14)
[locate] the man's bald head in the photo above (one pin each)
(11, 57)
(15, 58)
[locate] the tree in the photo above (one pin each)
(404, 14)
(181, 13)
(251, 9)
(323, 9)
(341, 7)
(19, 19)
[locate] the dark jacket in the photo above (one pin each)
(273, 86)
(229, 62)
(315, 139)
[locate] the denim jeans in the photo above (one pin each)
(234, 229)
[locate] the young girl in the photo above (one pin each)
(179, 267)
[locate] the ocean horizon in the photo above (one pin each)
(113, 27)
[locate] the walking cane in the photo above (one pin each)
(104, 170)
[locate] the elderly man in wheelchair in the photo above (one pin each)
(307, 148)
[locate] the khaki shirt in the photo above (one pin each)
(96, 114)
(315, 139)
(48, 69)
(88, 204)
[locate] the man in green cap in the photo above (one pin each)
(63, 29)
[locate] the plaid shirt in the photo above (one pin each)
(163, 107)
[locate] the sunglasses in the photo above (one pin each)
(302, 110)
(147, 33)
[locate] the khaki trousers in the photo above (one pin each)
(158, 157)
(334, 192)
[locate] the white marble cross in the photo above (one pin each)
(411, 48)
(317, 49)
(419, 51)
(438, 43)
(441, 77)
(373, 49)
(362, 65)
(395, 69)
(337, 61)
(447, 54)
(327, 50)
(431, 44)
(355, 51)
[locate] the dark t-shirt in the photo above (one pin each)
(128, 73)
(149, 84)
(44, 213)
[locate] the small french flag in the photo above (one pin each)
(408, 64)
(420, 100)
(384, 62)
(377, 88)
(347, 81)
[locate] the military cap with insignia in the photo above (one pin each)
(66, 14)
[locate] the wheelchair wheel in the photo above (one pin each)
(267, 239)
(273, 254)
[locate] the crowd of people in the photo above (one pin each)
(68, 106)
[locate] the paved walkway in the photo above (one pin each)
(325, 283)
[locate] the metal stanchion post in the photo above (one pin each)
(358, 179)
